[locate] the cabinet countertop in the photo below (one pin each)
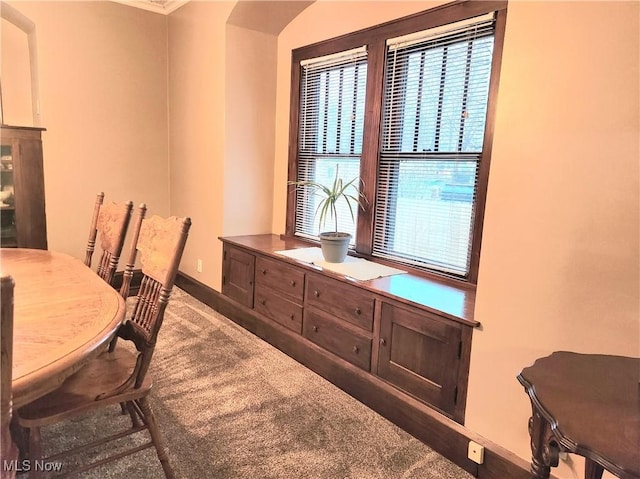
(438, 296)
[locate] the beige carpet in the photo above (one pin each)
(232, 406)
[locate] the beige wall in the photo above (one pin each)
(222, 87)
(197, 130)
(103, 96)
(249, 157)
(559, 266)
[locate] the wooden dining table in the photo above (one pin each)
(64, 315)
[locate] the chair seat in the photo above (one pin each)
(79, 392)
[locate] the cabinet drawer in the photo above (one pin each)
(341, 300)
(271, 304)
(338, 338)
(281, 277)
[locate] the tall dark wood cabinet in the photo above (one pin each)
(23, 223)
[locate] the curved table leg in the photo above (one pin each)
(544, 447)
(592, 470)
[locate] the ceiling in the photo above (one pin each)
(159, 6)
(267, 16)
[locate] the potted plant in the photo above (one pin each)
(334, 244)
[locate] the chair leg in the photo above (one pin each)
(135, 421)
(35, 452)
(20, 437)
(156, 437)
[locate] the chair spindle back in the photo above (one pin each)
(158, 244)
(111, 220)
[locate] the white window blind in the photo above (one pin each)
(434, 114)
(330, 129)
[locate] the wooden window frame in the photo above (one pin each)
(375, 40)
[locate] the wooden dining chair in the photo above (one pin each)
(119, 376)
(111, 221)
(8, 449)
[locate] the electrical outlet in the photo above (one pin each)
(476, 452)
(199, 266)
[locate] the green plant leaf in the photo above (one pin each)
(331, 195)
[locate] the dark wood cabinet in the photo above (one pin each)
(422, 354)
(338, 337)
(339, 317)
(281, 277)
(279, 292)
(23, 222)
(278, 308)
(238, 269)
(372, 326)
(348, 303)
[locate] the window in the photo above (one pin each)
(332, 92)
(433, 122)
(408, 107)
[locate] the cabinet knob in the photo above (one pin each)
(293, 283)
(315, 329)
(263, 302)
(383, 341)
(358, 311)
(264, 271)
(356, 349)
(292, 317)
(316, 293)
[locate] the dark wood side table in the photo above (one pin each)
(586, 404)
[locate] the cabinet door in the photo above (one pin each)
(238, 268)
(420, 354)
(30, 217)
(21, 172)
(8, 230)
